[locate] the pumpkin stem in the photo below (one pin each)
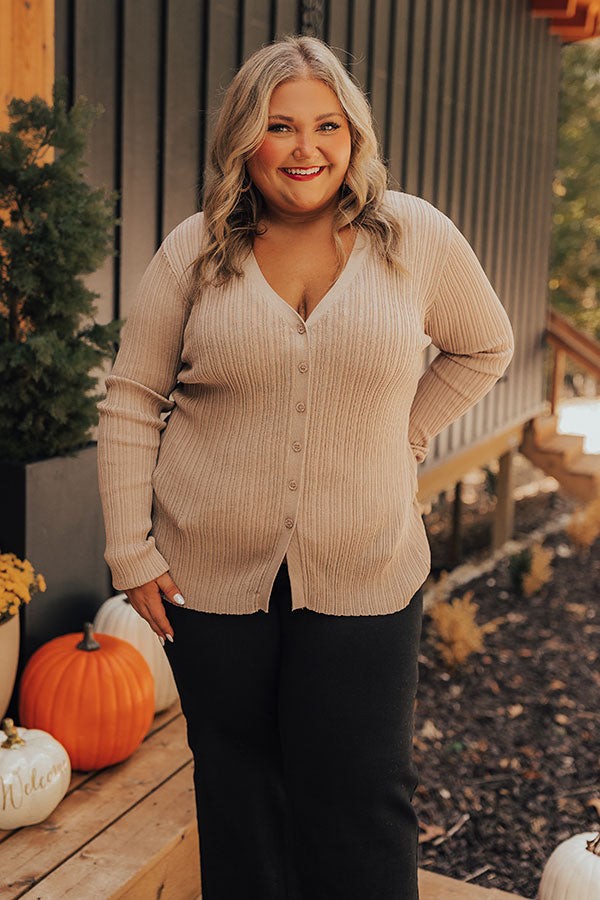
(88, 642)
(12, 735)
(594, 845)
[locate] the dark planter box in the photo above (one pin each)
(53, 518)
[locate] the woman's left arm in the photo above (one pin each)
(471, 328)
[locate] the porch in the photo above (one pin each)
(128, 832)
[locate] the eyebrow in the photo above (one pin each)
(317, 118)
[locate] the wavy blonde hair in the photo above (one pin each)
(233, 206)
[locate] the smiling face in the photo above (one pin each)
(307, 130)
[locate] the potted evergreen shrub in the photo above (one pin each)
(54, 229)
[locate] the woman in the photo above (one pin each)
(286, 322)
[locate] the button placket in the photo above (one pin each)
(298, 432)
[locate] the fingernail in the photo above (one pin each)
(161, 639)
(170, 637)
(178, 599)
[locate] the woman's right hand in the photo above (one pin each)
(146, 601)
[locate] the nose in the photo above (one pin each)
(305, 145)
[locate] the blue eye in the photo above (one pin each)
(277, 125)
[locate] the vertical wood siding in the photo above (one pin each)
(464, 95)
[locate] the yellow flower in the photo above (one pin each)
(17, 580)
(21, 591)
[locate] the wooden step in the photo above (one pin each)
(129, 832)
(566, 447)
(562, 456)
(151, 851)
(439, 887)
(586, 464)
(51, 855)
(544, 426)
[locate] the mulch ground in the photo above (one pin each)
(508, 745)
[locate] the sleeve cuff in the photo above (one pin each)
(137, 568)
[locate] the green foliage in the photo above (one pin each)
(519, 565)
(490, 483)
(54, 229)
(575, 249)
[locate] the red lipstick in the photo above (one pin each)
(303, 177)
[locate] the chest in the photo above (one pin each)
(365, 335)
(301, 274)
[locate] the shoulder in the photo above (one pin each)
(427, 225)
(417, 209)
(183, 243)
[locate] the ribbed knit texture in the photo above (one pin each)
(292, 439)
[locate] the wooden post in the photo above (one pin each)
(26, 51)
(558, 377)
(504, 517)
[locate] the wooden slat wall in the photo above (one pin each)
(464, 94)
(26, 51)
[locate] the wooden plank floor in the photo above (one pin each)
(128, 832)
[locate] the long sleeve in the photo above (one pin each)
(138, 387)
(471, 328)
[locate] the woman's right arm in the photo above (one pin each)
(144, 374)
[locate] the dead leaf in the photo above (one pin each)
(531, 752)
(429, 832)
(430, 731)
(515, 710)
(563, 700)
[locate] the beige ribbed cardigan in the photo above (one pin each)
(288, 438)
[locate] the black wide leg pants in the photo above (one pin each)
(301, 729)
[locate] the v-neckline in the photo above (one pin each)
(353, 261)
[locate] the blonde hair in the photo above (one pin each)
(233, 206)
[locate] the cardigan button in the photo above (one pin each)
(303, 367)
(289, 523)
(292, 485)
(297, 446)
(301, 329)
(300, 406)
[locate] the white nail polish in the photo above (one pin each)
(178, 599)
(161, 639)
(170, 637)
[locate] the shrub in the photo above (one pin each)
(54, 228)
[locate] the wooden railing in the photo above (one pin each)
(568, 341)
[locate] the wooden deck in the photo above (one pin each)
(129, 832)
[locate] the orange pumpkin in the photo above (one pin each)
(95, 696)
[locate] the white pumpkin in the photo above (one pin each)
(572, 871)
(117, 616)
(35, 774)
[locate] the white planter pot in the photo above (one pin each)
(9, 657)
